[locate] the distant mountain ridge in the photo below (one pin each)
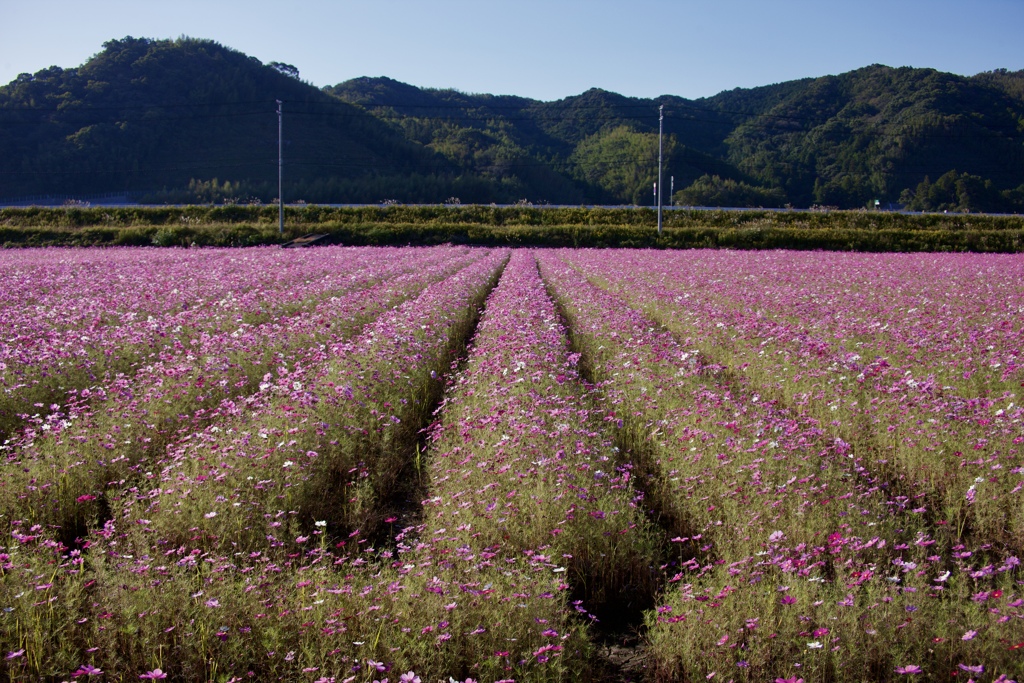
(168, 117)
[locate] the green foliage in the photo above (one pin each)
(210, 192)
(286, 69)
(621, 161)
(714, 191)
(961, 192)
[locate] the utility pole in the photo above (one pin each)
(661, 119)
(671, 190)
(280, 171)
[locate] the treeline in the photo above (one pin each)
(414, 188)
(962, 192)
(512, 226)
(715, 191)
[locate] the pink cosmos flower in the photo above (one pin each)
(86, 670)
(909, 670)
(153, 675)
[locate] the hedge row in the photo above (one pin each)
(310, 217)
(758, 237)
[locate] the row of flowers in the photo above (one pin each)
(797, 555)
(63, 470)
(269, 476)
(335, 493)
(521, 463)
(912, 361)
(80, 320)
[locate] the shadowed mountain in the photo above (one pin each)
(191, 120)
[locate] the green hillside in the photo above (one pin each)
(156, 116)
(597, 147)
(875, 133)
(191, 120)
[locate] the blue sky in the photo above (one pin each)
(545, 49)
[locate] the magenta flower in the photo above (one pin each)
(409, 677)
(153, 675)
(86, 670)
(909, 670)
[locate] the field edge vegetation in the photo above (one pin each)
(241, 226)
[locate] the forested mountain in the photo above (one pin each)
(921, 137)
(166, 118)
(599, 143)
(877, 132)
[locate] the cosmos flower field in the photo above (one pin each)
(453, 463)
